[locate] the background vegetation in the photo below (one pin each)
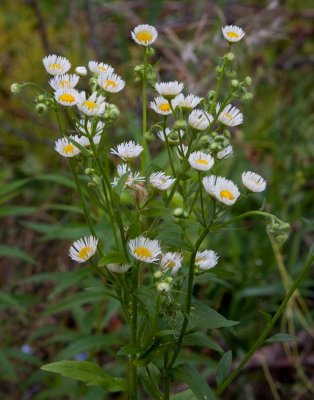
(46, 314)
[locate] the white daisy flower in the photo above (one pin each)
(111, 82)
(56, 65)
(161, 181)
(182, 151)
(161, 106)
(67, 149)
(67, 97)
(84, 141)
(64, 81)
(171, 261)
(99, 68)
(133, 178)
(118, 268)
(144, 249)
(230, 115)
(201, 161)
(127, 150)
(94, 105)
(225, 153)
(206, 260)
(200, 120)
(187, 103)
(82, 71)
(169, 90)
(209, 183)
(168, 131)
(232, 33)
(253, 182)
(83, 249)
(226, 191)
(144, 35)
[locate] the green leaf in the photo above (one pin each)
(87, 372)
(75, 301)
(223, 367)
(16, 252)
(120, 186)
(129, 350)
(156, 212)
(201, 340)
(113, 257)
(9, 187)
(187, 374)
(56, 178)
(282, 337)
(186, 395)
(84, 151)
(10, 211)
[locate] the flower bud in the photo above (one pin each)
(179, 124)
(214, 146)
(150, 51)
(40, 98)
(82, 71)
(168, 279)
(219, 69)
(157, 274)
(214, 134)
(89, 171)
(235, 83)
(16, 88)
(211, 95)
(163, 287)
(230, 56)
(248, 81)
(226, 143)
(111, 113)
(149, 136)
(227, 133)
(247, 96)
(219, 138)
(204, 140)
(178, 212)
(41, 108)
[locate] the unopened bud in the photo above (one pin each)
(111, 112)
(248, 81)
(235, 83)
(168, 279)
(40, 98)
(247, 96)
(89, 171)
(150, 51)
(82, 71)
(178, 212)
(163, 287)
(227, 133)
(219, 138)
(16, 88)
(214, 146)
(41, 108)
(219, 69)
(230, 56)
(211, 94)
(179, 124)
(157, 274)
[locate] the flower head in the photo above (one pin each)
(67, 97)
(94, 105)
(161, 181)
(222, 189)
(144, 249)
(186, 103)
(111, 82)
(67, 149)
(99, 68)
(201, 161)
(127, 150)
(253, 182)
(144, 35)
(200, 120)
(169, 90)
(83, 249)
(118, 268)
(230, 115)
(66, 81)
(232, 33)
(133, 178)
(206, 260)
(225, 153)
(171, 261)
(56, 65)
(161, 106)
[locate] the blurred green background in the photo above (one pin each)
(45, 313)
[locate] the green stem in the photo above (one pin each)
(144, 114)
(133, 368)
(222, 387)
(201, 197)
(166, 377)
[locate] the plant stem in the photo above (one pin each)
(166, 378)
(144, 114)
(133, 368)
(222, 387)
(201, 197)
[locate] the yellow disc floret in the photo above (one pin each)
(67, 98)
(144, 36)
(143, 252)
(164, 107)
(227, 194)
(84, 252)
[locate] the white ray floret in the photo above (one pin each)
(161, 181)
(253, 181)
(91, 128)
(200, 120)
(209, 183)
(94, 105)
(99, 67)
(84, 141)
(144, 249)
(161, 106)
(230, 115)
(127, 150)
(67, 81)
(225, 153)
(111, 82)
(67, 149)
(67, 97)
(81, 70)
(161, 134)
(118, 268)
(83, 249)
(169, 90)
(201, 161)
(182, 151)
(186, 103)
(171, 261)
(144, 35)
(232, 33)
(56, 65)
(206, 260)
(133, 178)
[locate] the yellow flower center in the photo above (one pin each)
(204, 162)
(228, 115)
(69, 148)
(143, 252)
(90, 104)
(84, 252)
(109, 82)
(232, 35)
(144, 36)
(55, 66)
(164, 107)
(65, 83)
(67, 98)
(171, 264)
(102, 68)
(226, 194)
(199, 260)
